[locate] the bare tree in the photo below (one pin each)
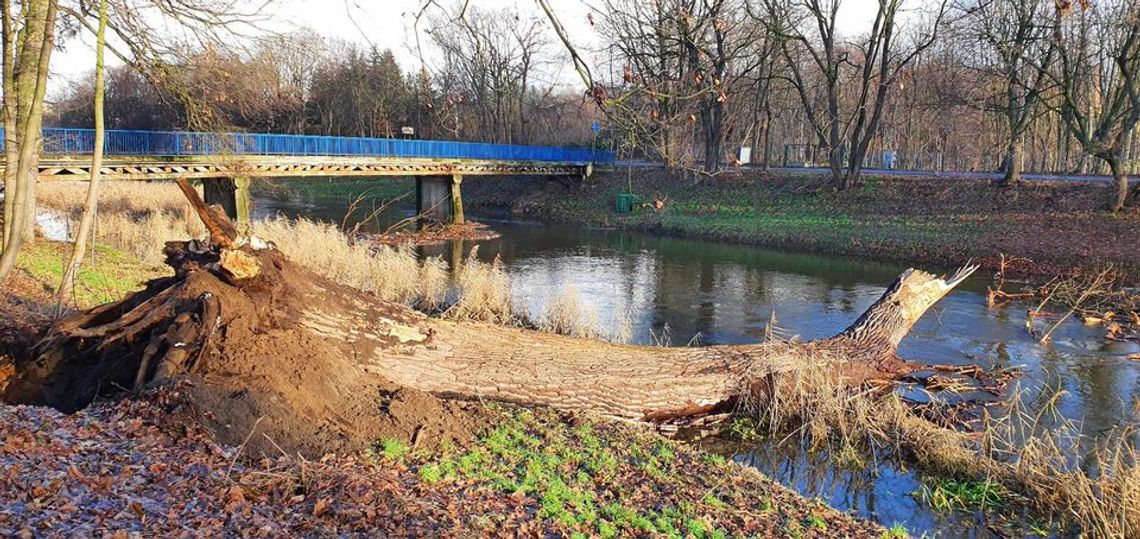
(488, 71)
(28, 41)
(87, 221)
(843, 84)
(1016, 36)
(1099, 74)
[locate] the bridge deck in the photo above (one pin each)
(206, 167)
(137, 155)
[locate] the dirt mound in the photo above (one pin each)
(272, 361)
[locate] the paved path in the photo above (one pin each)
(1134, 179)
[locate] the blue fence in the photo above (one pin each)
(59, 141)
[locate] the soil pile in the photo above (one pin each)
(268, 359)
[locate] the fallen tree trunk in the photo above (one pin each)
(262, 339)
(638, 382)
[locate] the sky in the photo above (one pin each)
(388, 24)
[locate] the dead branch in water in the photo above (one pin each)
(1097, 296)
(995, 294)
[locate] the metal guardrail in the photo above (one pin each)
(67, 141)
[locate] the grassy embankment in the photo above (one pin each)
(930, 221)
(115, 273)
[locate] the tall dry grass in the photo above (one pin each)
(135, 217)
(140, 218)
(1054, 468)
(483, 292)
(394, 274)
(132, 198)
(567, 314)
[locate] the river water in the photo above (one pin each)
(693, 291)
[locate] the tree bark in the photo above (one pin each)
(90, 206)
(29, 73)
(1119, 184)
(1013, 159)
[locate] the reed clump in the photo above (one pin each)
(135, 217)
(133, 198)
(394, 274)
(566, 314)
(1091, 485)
(483, 292)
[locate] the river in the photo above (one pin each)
(692, 291)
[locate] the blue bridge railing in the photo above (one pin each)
(66, 141)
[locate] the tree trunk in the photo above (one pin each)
(838, 174)
(257, 336)
(207, 322)
(11, 154)
(1013, 162)
(32, 53)
(1119, 184)
(767, 138)
(90, 206)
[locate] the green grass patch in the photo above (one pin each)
(948, 494)
(393, 449)
(113, 274)
(896, 531)
(582, 480)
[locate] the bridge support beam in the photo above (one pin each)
(440, 198)
(457, 199)
(232, 194)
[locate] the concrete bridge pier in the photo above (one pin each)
(440, 199)
(232, 194)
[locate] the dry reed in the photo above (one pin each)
(483, 292)
(393, 274)
(566, 314)
(1092, 484)
(135, 217)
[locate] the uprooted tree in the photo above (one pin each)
(266, 341)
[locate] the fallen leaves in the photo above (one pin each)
(112, 470)
(123, 470)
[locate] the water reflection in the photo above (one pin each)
(879, 491)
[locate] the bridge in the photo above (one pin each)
(225, 162)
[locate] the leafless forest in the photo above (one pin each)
(953, 85)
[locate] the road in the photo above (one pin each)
(1134, 179)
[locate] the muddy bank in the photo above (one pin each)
(929, 221)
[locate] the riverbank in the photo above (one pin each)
(365, 268)
(942, 222)
(434, 467)
(127, 467)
